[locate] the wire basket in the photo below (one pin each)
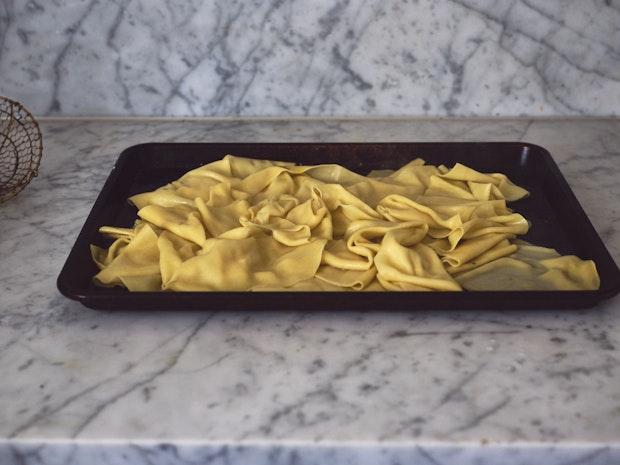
(21, 147)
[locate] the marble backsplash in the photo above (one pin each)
(293, 57)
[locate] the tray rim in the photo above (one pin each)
(91, 297)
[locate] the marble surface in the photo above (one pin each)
(478, 387)
(292, 57)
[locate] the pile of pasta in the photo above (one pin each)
(240, 224)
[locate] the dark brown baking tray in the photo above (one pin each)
(557, 219)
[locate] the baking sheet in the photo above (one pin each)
(557, 219)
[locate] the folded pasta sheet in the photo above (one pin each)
(240, 224)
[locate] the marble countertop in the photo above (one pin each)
(95, 387)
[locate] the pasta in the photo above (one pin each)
(240, 224)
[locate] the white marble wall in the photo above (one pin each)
(312, 57)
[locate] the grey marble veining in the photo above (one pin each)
(479, 387)
(292, 57)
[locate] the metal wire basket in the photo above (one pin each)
(21, 147)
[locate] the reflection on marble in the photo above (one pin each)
(485, 387)
(290, 57)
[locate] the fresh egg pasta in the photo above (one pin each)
(240, 224)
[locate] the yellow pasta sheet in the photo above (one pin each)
(240, 224)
